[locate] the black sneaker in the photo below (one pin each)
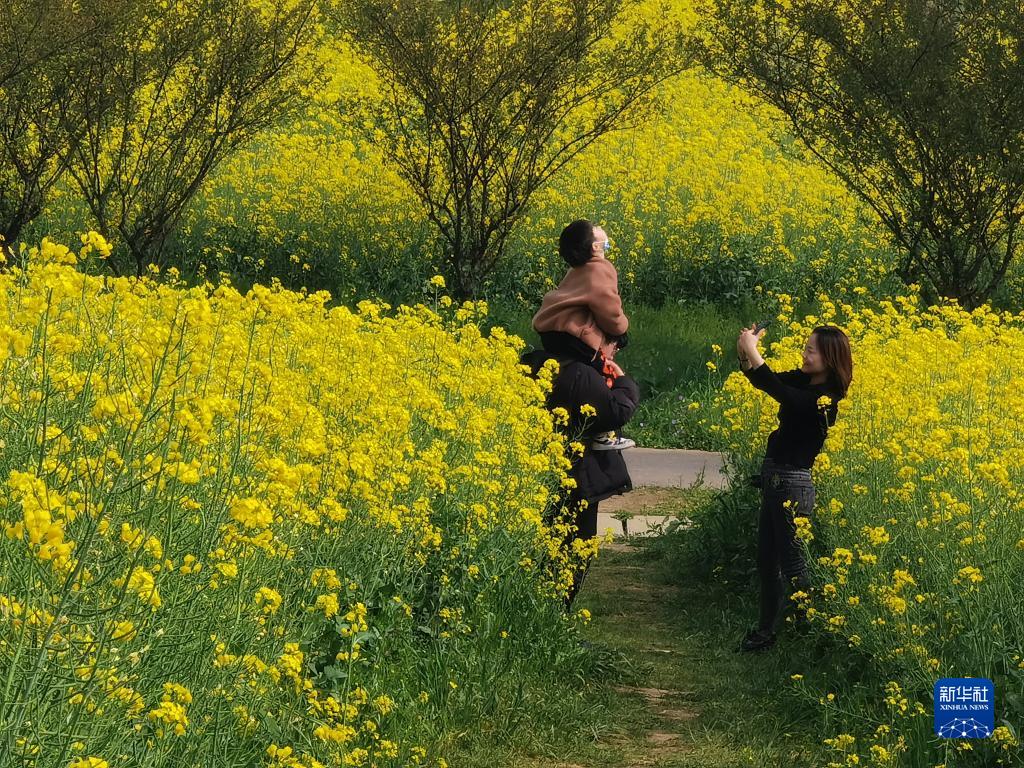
(756, 640)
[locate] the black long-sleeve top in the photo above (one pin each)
(803, 424)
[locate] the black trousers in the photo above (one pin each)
(780, 555)
(586, 528)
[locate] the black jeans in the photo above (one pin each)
(779, 552)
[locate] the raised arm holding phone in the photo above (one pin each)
(746, 346)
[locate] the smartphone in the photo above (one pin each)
(761, 326)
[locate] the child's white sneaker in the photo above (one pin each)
(609, 441)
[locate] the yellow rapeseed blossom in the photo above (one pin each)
(969, 574)
(268, 600)
(143, 584)
(171, 713)
(252, 513)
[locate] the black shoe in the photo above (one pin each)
(756, 640)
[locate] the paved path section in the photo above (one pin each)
(673, 468)
(654, 468)
(635, 525)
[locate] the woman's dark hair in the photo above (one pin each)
(834, 346)
(576, 243)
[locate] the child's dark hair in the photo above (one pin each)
(576, 243)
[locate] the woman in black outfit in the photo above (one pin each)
(808, 398)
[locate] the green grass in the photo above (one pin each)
(667, 354)
(674, 694)
(665, 502)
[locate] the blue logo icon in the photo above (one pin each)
(964, 708)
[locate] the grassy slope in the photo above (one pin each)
(675, 693)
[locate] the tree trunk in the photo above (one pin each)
(466, 284)
(7, 252)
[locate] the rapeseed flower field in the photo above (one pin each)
(703, 198)
(688, 197)
(255, 530)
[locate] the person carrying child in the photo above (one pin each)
(586, 305)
